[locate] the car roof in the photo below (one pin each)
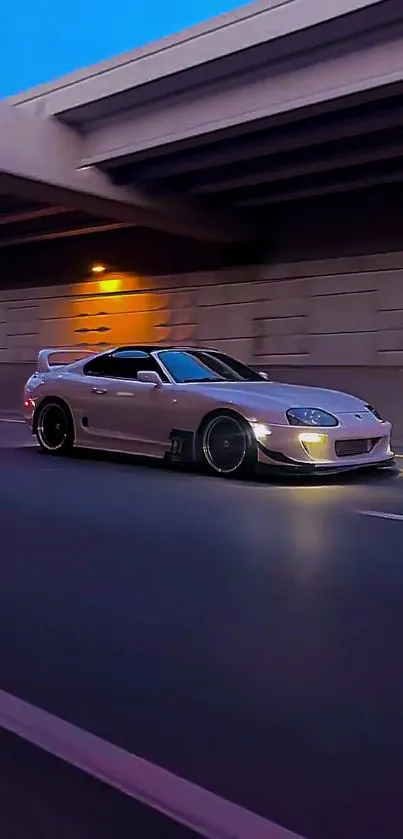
(149, 348)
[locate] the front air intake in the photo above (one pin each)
(354, 448)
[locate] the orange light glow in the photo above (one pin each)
(110, 285)
(98, 269)
(113, 308)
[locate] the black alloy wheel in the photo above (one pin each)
(228, 445)
(54, 428)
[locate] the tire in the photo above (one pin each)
(53, 426)
(227, 445)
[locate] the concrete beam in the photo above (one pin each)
(338, 186)
(297, 170)
(253, 24)
(61, 234)
(211, 109)
(40, 159)
(293, 141)
(32, 215)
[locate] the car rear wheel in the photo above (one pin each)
(228, 445)
(54, 428)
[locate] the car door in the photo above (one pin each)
(120, 408)
(144, 412)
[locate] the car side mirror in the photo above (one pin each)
(264, 376)
(149, 377)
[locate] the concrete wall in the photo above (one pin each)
(335, 322)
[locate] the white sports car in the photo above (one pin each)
(198, 406)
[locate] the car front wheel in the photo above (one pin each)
(228, 445)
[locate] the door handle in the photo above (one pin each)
(99, 390)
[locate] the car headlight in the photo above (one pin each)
(375, 413)
(311, 417)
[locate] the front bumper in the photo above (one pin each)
(336, 449)
(315, 469)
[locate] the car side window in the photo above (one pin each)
(123, 364)
(101, 366)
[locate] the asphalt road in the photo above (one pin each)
(246, 637)
(42, 798)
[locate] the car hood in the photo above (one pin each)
(255, 395)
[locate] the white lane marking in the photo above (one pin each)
(379, 515)
(184, 802)
(7, 419)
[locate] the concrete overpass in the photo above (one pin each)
(241, 183)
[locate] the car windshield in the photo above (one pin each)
(187, 366)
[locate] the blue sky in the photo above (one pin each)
(43, 39)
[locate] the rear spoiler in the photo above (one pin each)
(43, 364)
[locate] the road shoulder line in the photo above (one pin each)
(184, 802)
(11, 419)
(380, 515)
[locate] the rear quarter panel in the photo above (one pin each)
(43, 385)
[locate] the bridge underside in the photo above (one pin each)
(350, 144)
(265, 175)
(26, 217)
